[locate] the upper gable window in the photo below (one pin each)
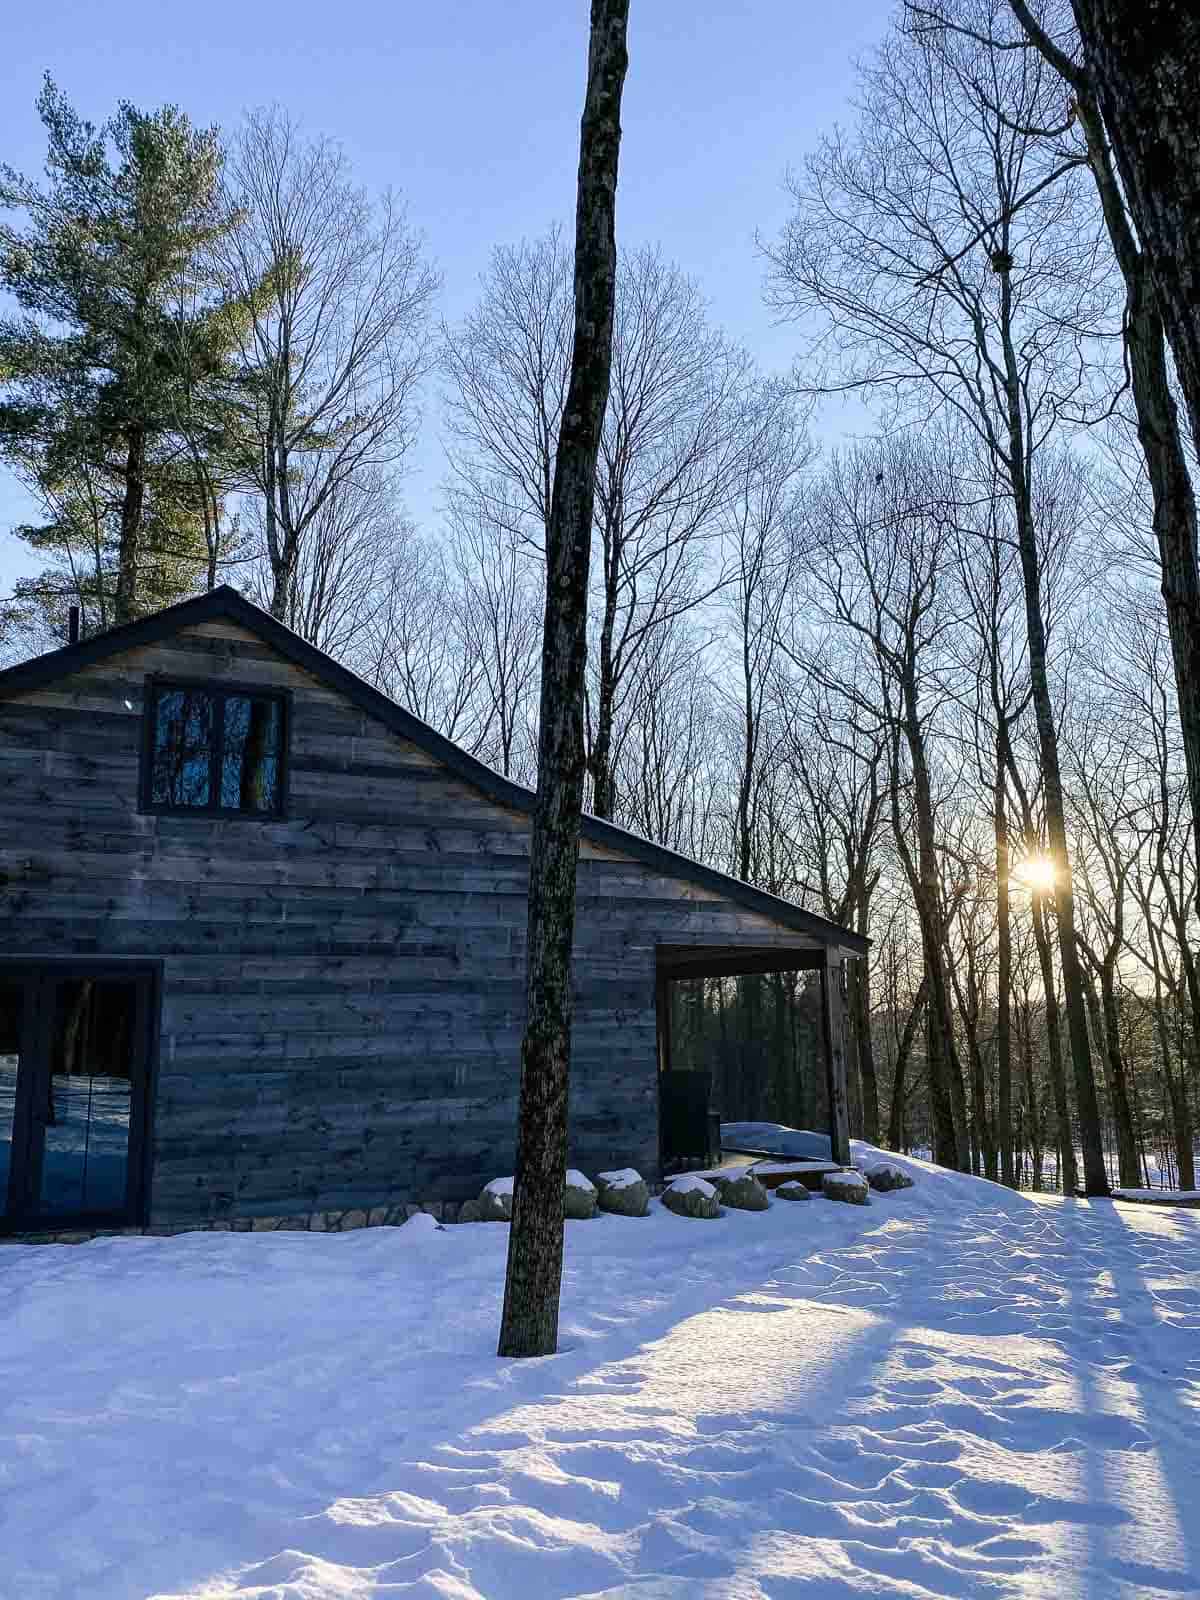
(215, 750)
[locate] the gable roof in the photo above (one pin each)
(225, 603)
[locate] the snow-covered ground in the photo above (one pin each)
(955, 1391)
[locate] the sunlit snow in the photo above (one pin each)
(954, 1391)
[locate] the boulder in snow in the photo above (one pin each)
(848, 1186)
(793, 1189)
(493, 1205)
(624, 1192)
(420, 1226)
(884, 1176)
(690, 1196)
(579, 1196)
(743, 1193)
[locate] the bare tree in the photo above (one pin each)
(339, 579)
(996, 672)
(529, 1323)
(412, 648)
(499, 622)
(875, 542)
(669, 772)
(675, 432)
(757, 525)
(329, 298)
(838, 769)
(1157, 417)
(943, 280)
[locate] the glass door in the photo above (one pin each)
(77, 1091)
(13, 1048)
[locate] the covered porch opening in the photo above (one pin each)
(790, 1014)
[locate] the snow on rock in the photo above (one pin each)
(957, 1392)
(850, 1187)
(741, 1190)
(419, 1227)
(579, 1197)
(624, 1192)
(885, 1176)
(793, 1189)
(693, 1183)
(494, 1204)
(625, 1178)
(692, 1196)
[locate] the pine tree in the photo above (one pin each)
(115, 333)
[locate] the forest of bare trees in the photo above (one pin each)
(938, 680)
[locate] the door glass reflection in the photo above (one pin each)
(88, 1097)
(12, 997)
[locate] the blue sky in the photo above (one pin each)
(471, 109)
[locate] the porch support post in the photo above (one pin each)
(662, 1028)
(833, 1028)
(662, 1012)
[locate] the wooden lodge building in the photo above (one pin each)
(262, 945)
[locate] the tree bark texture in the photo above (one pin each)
(1167, 471)
(1142, 59)
(1054, 1065)
(1004, 1116)
(529, 1322)
(833, 1028)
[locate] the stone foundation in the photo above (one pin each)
(304, 1222)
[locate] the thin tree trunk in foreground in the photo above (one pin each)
(529, 1323)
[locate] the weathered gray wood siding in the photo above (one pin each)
(343, 991)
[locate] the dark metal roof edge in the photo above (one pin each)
(225, 601)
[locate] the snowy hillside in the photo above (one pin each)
(955, 1391)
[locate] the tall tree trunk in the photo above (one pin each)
(1151, 139)
(603, 793)
(946, 1098)
(1181, 1107)
(1058, 1082)
(287, 545)
(1032, 1110)
(1175, 1096)
(860, 996)
(529, 1322)
(1094, 1171)
(132, 504)
(1127, 1159)
(895, 1138)
(1142, 57)
(1003, 982)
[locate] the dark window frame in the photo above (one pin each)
(38, 974)
(219, 691)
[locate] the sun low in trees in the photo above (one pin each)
(113, 335)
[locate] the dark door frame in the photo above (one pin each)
(39, 974)
(673, 961)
